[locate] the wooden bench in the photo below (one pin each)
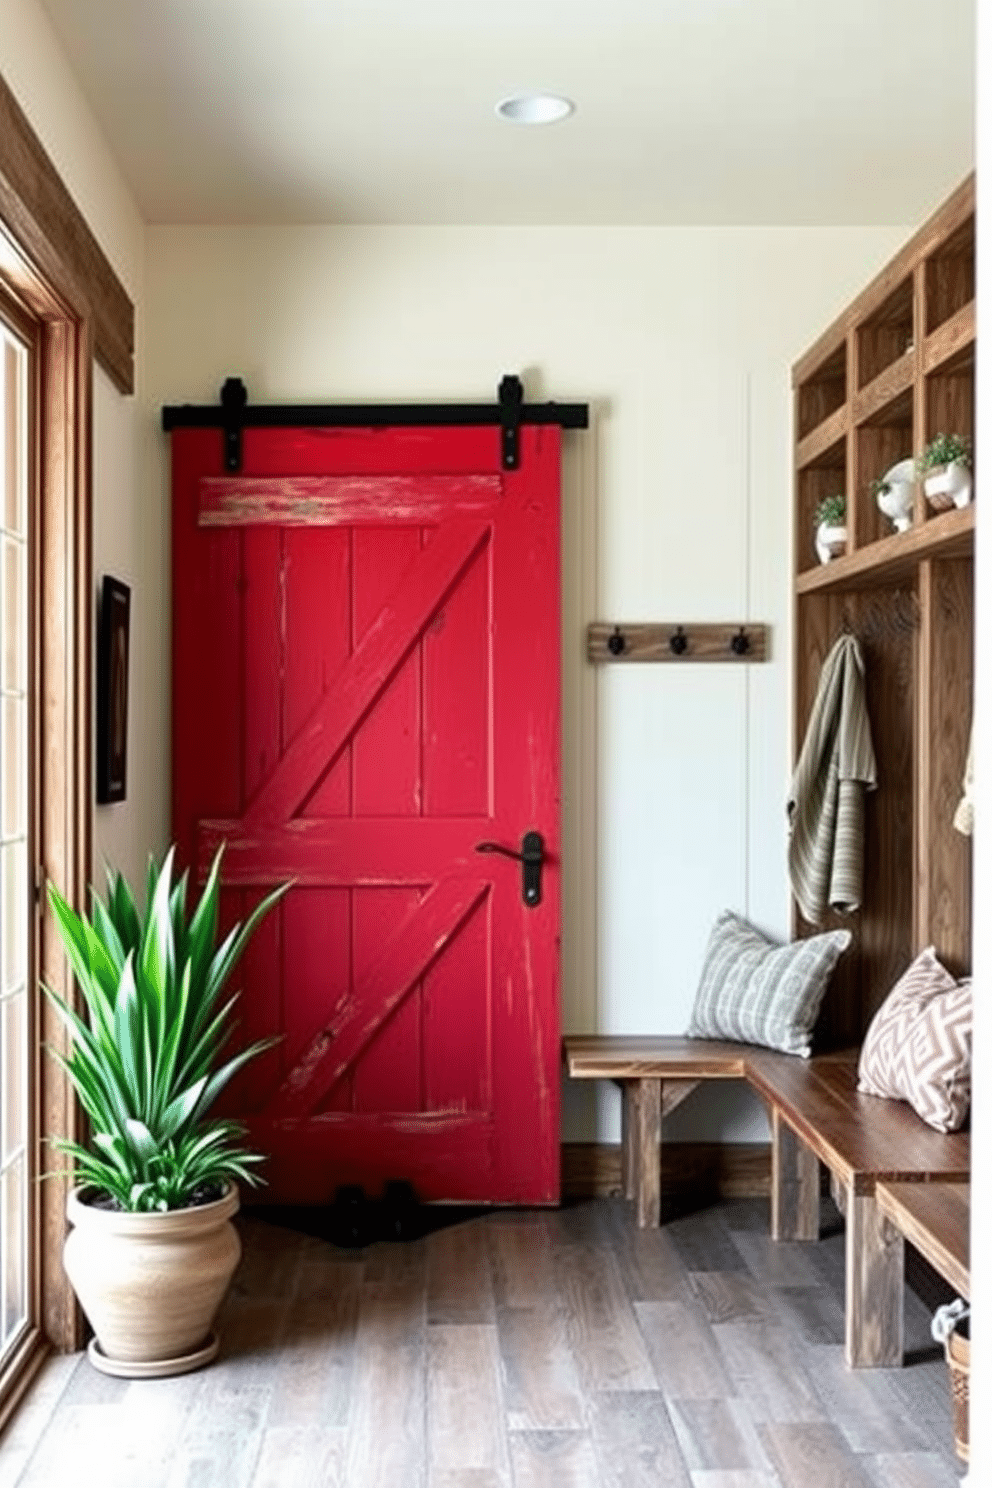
(655, 1075)
(817, 1116)
(936, 1218)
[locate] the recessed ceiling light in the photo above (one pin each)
(535, 108)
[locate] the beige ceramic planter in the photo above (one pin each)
(151, 1284)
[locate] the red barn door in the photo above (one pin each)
(365, 688)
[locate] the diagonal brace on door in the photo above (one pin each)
(367, 672)
(406, 958)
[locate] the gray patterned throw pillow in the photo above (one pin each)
(756, 992)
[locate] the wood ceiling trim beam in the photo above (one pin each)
(44, 220)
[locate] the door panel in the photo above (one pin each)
(366, 685)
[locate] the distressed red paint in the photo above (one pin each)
(365, 685)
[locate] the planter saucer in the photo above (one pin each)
(153, 1368)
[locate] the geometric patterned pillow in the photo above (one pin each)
(756, 992)
(918, 1047)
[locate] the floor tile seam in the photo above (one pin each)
(498, 1375)
(744, 1426)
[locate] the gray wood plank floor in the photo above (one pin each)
(515, 1350)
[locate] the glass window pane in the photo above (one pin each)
(12, 757)
(16, 1171)
(13, 1073)
(14, 914)
(13, 617)
(13, 1209)
(15, 494)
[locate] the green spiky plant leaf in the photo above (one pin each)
(830, 512)
(146, 1058)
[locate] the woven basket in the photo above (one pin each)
(958, 1349)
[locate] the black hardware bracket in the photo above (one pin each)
(234, 413)
(233, 397)
(511, 399)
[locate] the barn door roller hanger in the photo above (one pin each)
(234, 413)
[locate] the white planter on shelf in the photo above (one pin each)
(896, 503)
(897, 498)
(948, 485)
(831, 541)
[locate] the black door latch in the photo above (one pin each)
(531, 856)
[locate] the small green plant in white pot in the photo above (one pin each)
(830, 527)
(945, 469)
(152, 1249)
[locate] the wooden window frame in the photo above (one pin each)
(65, 292)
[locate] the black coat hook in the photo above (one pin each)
(616, 645)
(679, 642)
(740, 644)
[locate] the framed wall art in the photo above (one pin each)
(113, 648)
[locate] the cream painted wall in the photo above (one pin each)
(35, 69)
(130, 543)
(127, 539)
(675, 505)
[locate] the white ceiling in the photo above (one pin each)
(688, 111)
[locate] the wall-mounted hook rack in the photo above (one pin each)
(610, 640)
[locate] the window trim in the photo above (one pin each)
(42, 217)
(53, 269)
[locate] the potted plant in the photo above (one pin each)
(945, 469)
(152, 1249)
(830, 531)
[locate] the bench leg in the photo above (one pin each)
(646, 1120)
(874, 1286)
(795, 1185)
(628, 1136)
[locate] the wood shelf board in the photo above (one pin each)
(951, 347)
(951, 217)
(950, 535)
(889, 399)
(818, 447)
(960, 240)
(894, 310)
(935, 1218)
(826, 359)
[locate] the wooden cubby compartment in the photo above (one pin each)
(825, 476)
(881, 441)
(950, 275)
(949, 404)
(886, 335)
(907, 597)
(822, 392)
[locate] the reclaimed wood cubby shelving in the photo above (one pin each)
(895, 369)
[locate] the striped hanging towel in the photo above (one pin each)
(826, 804)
